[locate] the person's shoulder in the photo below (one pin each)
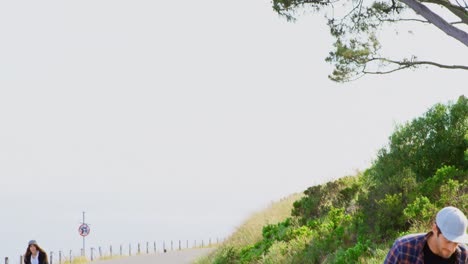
(412, 239)
(463, 248)
(42, 255)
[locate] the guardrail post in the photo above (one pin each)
(147, 248)
(110, 250)
(100, 252)
(139, 251)
(172, 245)
(71, 261)
(180, 245)
(187, 243)
(120, 250)
(129, 249)
(6, 260)
(60, 257)
(51, 258)
(21, 259)
(92, 254)
(154, 246)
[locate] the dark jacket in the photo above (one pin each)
(42, 259)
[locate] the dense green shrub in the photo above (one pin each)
(318, 200)
(227, 255)
(424, 168)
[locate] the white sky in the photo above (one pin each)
(178, 119)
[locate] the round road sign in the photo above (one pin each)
(84, 230)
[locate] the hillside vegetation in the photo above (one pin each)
(355, 219)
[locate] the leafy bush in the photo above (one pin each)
(227, 255)
(424, 168)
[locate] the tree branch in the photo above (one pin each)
(406, 20)
(460, 5)
(459, 11)
(386, 72)
(459, 67)
(438, 21)
(416, 63)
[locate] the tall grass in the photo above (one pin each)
(77, 260)
(250, 231)
(83, 260)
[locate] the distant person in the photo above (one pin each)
(443, 244)
(34, 254)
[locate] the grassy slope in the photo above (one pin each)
(251, 230)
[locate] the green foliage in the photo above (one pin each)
(320, 199)
(421, 212)
(393, 194)
(332, 233)
(357, 51)
(390, 219)
(278, 231)
(350, 57)
(285, 231)
(454, 193)
(227, 255)
(430, 187)
(352, 254)
(427, 143)
(408, 183)
(409, 165)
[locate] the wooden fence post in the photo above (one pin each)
(129, 249)
(147, 248)
(120, 250)
(154, 246)
(6, 260)
(92, 254)
(172, 245)
(51, 258)
(100, 252)
(71, 261)
(60, 257)
(110, 250)
(180, 245)
(139, 251)
(21, 259)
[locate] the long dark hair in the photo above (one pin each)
(39, 249)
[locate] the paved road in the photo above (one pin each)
(172, 257)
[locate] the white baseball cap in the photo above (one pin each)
(453, 224)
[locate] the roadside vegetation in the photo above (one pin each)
(250, 231)
(355, 219)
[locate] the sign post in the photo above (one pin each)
(84, 231)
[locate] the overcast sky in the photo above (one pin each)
(178, 119)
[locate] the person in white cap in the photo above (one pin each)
(35, 254)
(443, 244)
